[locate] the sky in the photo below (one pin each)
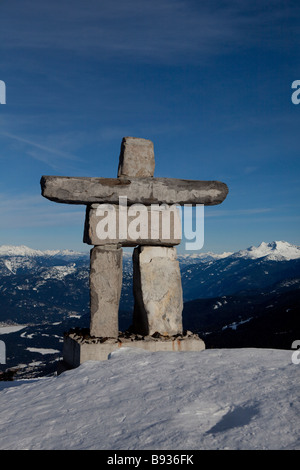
(209, 82)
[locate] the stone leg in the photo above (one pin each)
(105, 290)
(157, 291)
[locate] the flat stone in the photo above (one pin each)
(157, 291)
(136, 158)
(76, 351)
(85, 190)
(105, 290)
(131, 226)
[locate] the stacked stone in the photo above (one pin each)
(156, 274)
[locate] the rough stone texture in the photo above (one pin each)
(157, 291)
(85, 190)
(136, 158)
(77, 350)
(154, 225)
(105, 290)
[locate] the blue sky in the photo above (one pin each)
(209, 82)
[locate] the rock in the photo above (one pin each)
(131, 226)
(157, 291)
(76, 352)
(105, 290)
(86, 190)
(136, 158)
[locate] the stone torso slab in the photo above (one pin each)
(134, 225)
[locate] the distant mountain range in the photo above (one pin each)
(250, 298)
(253, 268)
(245, 299)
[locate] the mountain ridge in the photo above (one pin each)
(48, 294)
(22, 250)
(275, 250)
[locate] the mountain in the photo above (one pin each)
(242, 399)
(250, 269)
(267, 318)
(9, 250)
(250, 298)
(47, 293)
(195, 257)
(274, 251)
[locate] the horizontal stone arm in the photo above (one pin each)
(147, 191)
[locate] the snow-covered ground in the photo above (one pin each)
(215, 399)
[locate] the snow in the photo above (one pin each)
(274, 251)
(235, 324)
(8, 250)
(22, 250)
(59, 272)
(43, 350)
(217, 305)
(8, 265)
(215, 399)
(203, 256)
(11, 329)
(26, 335)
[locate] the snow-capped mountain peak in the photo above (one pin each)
(22, 250)
(186, 259)
(9, 250)
(273, 251)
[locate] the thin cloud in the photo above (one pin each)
(41, 147)
(163, 30)
(46, 153)
(236, 212)
(28, 211)
(250, 169)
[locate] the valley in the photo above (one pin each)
(245, 299)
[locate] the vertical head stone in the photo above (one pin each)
(136, 158)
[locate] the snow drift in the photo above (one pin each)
(215, 399)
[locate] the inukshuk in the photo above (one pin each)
(119, 203)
